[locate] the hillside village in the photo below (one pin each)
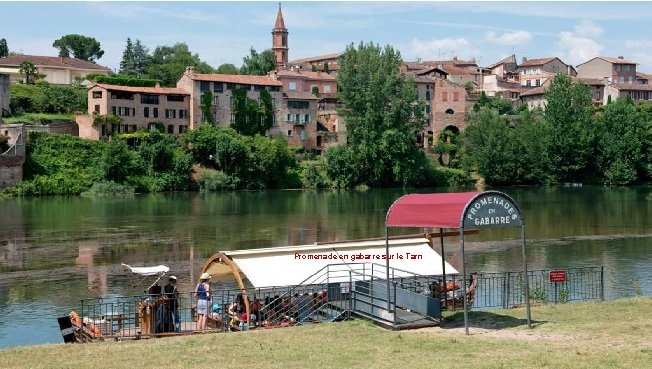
(303, 93)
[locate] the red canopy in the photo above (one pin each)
(437, 210)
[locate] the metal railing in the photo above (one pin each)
(334, 292)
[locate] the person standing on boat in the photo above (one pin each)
(203, 291)
(171, 292)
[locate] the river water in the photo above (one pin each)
(56, 251)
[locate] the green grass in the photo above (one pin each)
(37, 118)
(614, 334)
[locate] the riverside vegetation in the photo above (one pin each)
(568, 141)
(611, 334)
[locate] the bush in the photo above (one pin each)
(213, 180)
(126, 81)
(44, 98)
(442, 176)
(108, 189)
(313, 174)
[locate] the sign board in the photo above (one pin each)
(557, 276)
(491, 209)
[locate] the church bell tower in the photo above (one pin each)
(280, 40)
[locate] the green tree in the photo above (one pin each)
(382, 118)
(326, 68)
(258, 64)
(4, 49)
(227, 68)
(79, 46)
(200, 142)
(168, 63)
(135, 59)
(28, 71)
(571, 140)
(206, 106)
(313, 67)
(117, 161)
(240, 114)
(620, 143)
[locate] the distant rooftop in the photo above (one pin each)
(51, 61)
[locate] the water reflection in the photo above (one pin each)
(56, 251)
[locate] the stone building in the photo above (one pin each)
(616, 70)
(138, 107)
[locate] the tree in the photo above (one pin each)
(258, 64)
(326, 69)
(4, 49)
(79, 46)
(571, 140)
(206, 106)
(168, 63)
(313, 67)
(620, 143)
(135, 59)
(28, 70)
(382, 118)
(227, 68)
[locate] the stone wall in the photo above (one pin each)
(11, 170)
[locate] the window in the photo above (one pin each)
(125, 128)
(327, 88)
(275, 88)
(621, 79)
(427, 109)
(216, 101)
(528, 82)
(244, 87)
(628, 68)
(444, 96)
(232, 117)
(97, 94)
(151, 126)
(113, 110)
(292, 86)
(97, 108)
(617, 67)
(456, 96)
(103, 129)
(306, 118)
(170, 128)
(537, 82)
(122, 95)
(179, 98)
(428, 95)
(146, 112)
(204, 86)
(631, 79)
(450, 112)
(149, 99)
(218, 87)
(312, 88)
(298, 104)
(183, 114)
(289, 133)
(231, 101)
(258, 88)
(170, 113)
(155, 112)
(133, 128)
(230, 86)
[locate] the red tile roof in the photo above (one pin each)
(533, 62)
(509, 59)
(145, 90)
(535, 91)
(317, 58)
(51, 61)
(306, 75)
(616, 60)
(455, 70)
(242, 79)
(632, 87)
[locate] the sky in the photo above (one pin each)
(222, 32)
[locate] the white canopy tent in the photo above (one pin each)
(292, 265)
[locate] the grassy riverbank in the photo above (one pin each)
(613, 334)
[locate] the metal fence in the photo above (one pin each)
(154, 315)
(505, 290)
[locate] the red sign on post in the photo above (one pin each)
(557, 276)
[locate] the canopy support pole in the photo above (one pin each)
(466, 310)
(443, 266)
(387, 269)
(525, 277)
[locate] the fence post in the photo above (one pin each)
(350, 296)
(506, 291)
(602, 283)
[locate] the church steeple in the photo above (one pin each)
(280, 40)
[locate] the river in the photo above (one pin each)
(56, 251)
